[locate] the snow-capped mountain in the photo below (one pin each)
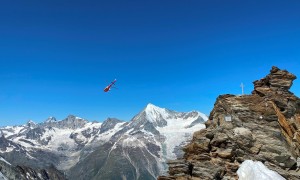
(137, 149)
(174, 127)
(50, 142)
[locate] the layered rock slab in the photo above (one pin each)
(263, 126)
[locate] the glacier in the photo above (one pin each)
(155, 134)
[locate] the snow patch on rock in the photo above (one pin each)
(250, 170)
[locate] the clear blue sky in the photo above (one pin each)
(56, 56)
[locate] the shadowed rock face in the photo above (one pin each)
(110, 123)
(25, 173)
(263, 126)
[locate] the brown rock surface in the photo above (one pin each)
(263, 126)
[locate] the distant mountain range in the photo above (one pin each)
(114, 149)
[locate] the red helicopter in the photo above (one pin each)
(107, 88)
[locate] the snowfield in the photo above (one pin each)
(177, 130)
(254, 170)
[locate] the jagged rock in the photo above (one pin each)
(137, 149)
(263, 126)
(255, 148)
(166, 178)
(218, 139)
(240, 131)
(178, 167)
(276, 80)
(109, 124)
(208, 170)
(35, 133)
(30, 123)
(50, 119)
(71, 122)
(25, 173)
(231, 167)
(286, 160)
(200, 146)
(225, 153)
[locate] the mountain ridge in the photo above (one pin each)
(262, 126)
(73, 143)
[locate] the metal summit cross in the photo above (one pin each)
(242, 86)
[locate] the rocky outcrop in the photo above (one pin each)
(71, 122)
(25, 173)
(109, 124)
(275, 90)
(263, 126)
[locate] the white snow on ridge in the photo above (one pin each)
(177, 132)
(59, 137)
(63, 141)
(104, 137)
(203, 116)
(11, 130)
(1, 159)
(2, 177)
(9, 149)
(89, 127)
(250, 170)
(153, 112)
(178, 128)
(131, 141)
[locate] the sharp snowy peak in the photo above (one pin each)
(144, 144)
(157, 115)
(50, 120)
(139, 149)
(30, 123)
(161, 117)
(73, 144)
(175, 127)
